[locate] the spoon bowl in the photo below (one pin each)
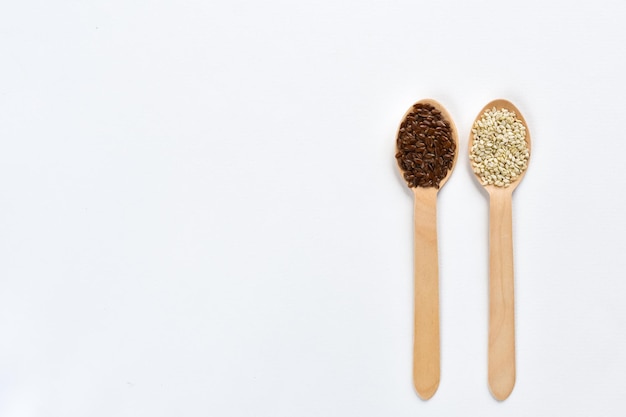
(454, 133)
(502, 104)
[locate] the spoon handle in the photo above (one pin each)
(501, 295)
(426, 274)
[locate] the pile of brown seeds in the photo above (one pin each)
(425, 147)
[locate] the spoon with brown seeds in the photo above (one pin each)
(499, 149)
(426, 152)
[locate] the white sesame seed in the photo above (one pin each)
(499, 152)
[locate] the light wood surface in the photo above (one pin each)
(426, 340)
(501, 296)
(501, 350)
(426, 360)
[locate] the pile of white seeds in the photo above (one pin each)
(499, 152)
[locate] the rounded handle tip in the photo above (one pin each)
(501, 387)
(425, 389)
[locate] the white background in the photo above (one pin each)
(200, 213)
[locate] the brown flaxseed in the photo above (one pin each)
(425, 147)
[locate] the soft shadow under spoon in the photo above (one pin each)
(426, 169)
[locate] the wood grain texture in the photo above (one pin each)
(426, 372)
(501, 369)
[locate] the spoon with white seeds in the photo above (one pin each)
(499, 150)
(426, 152)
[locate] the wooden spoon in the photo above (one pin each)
(426, 360)
(501, 293)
